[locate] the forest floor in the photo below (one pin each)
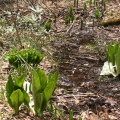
(81, 54)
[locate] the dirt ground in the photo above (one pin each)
(81, 55)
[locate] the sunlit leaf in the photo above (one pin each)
(17, 99)
(20, 80)
(117, 61)
(9, 89)
(26, 98)
(50, 87)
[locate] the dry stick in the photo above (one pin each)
(17, 32)
(81, 95)
(15, 25)
(70, 28)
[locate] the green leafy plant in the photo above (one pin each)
(71, 115)
(15, 93)
(17, 99)
(84, 6)
(67, 20)
(90, 2)
(47, 26)
(2, 22)
(80, 118)
(42, 89)
(117, 61)
(30, 56)
(97, 14)
(113, 57)
(70, 17)
(112, 50)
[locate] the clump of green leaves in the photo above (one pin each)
(47, 26)
(97, 14)
(30, 56)
(70, 17)
(16, 95)
(71, 115)
(42, 89)
(90, 2)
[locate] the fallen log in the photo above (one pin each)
(111, 21)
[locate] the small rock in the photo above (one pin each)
(115, 89)
(112, 117)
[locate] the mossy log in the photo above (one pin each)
(111, 21)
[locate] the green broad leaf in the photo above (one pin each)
(39, 80)
(17, 99)
(42, 89)
(36, 83)
(20, 80)
(49, 89)
(112, 50)
(9, 89)
(43, 78)
(26, 98)
(40, 104)
(117, 61)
